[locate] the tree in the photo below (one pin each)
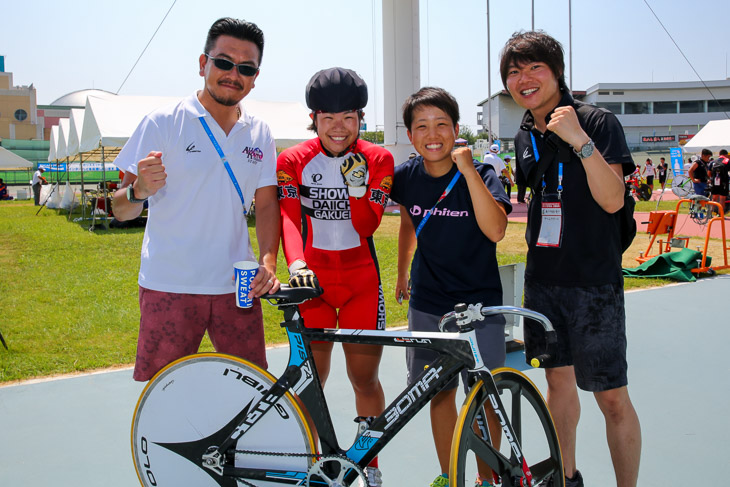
(466, 133)
(377, 137)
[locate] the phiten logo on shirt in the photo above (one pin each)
(417, 210)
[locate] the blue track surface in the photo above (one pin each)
(76, 431)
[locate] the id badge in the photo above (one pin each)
(551, 223)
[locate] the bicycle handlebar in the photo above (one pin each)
(464, 315)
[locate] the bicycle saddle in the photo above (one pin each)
(292, 295)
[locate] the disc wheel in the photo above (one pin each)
(190, 405)
(644, 192)
(534, 434)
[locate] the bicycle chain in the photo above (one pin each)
(281, 454)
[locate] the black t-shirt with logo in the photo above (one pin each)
(454, 261)
(590, 251)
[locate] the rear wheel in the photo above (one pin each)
(533, 427)
(190, 405)
(644, 192)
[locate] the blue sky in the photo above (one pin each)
(66, 46)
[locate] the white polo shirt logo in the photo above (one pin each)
(254, 154)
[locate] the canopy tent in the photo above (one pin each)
(54, 143)
(713, 136)
(76, 122)
(108, 123)
(10, 160)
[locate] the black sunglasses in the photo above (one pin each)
(226, 65)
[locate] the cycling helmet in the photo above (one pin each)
(336, 90)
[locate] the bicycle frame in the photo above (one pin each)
(457, 351)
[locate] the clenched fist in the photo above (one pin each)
(355, 173)
(151, 176)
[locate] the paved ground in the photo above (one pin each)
(75, 431)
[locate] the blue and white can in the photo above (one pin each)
(245, 271)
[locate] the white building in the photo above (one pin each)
(654, 115)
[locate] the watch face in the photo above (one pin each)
(587, 150)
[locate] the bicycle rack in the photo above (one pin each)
(664, 222)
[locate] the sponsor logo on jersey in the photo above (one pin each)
(316, 178)
(526, 154)
(282, 177)
(417, 210)
(386, 183)
(254, 154)
(191, 148)
(326, 203)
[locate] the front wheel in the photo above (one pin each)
(533, 427)
(190, 405)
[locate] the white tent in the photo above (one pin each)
(54, 143)
(10, 160)
(74, 136)
(110, 122)
(713, 136)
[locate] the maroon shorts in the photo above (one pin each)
(172, 325)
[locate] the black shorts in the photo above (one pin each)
(591, 326)
(650, 180)
(662, 179)
(719, 190)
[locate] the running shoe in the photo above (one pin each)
(440, 481)
(374, 478)
(576, 481)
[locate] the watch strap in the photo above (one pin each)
(130, 195)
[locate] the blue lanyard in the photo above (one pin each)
(443, 195)
(225, 161)
(537, 159)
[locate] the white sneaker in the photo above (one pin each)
(374, 478)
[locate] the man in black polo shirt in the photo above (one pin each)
(574, 157)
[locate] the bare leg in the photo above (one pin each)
(363, 362)
(322, 354)
(562, 399)
(623, 433)
(443, 422)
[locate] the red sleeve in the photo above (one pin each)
(368, 211)
(288, 180)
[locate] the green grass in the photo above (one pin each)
(68, 297)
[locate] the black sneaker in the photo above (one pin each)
(576, 481)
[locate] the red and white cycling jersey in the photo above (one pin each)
(321, 224)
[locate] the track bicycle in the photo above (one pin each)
(212, 420)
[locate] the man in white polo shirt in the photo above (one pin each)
(199, 165)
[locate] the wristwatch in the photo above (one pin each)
(130, 196)
(586, 150)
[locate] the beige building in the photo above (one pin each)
(18, 110)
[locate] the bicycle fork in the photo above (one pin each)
(524, 473)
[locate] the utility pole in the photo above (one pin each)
(489, 79)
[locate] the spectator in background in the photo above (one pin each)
(719, 174)
(662, 172)
(698, 173)
(649, 172)
(496, 162)
(36, 183)
(508, 182)
(4, 191)
(688, 164)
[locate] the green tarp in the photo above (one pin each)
(672, 265)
